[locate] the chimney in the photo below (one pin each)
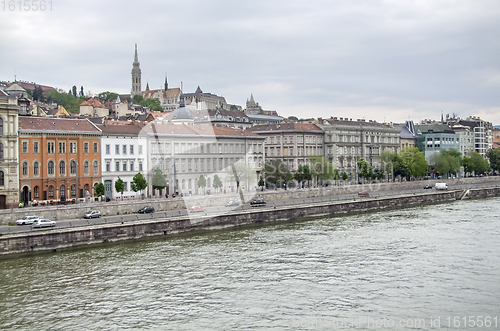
(320, 120)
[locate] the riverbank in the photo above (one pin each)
(59, 239)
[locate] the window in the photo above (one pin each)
(2, 177)
(73, 167)
(86, 148)
(73, 190)
(96, 168)
(96, 149)
(124, 149)
(25, 168)
(72, 147)
(50, 168)
(86, 188)
(140, 150)
(108, 166)
(86, 167)
(108, 149)
(124, 166)
(62, 147)
(35, 147)
(35, 192)
(131, 149)
(62, 191)
(117, 166)
(25, 147)
(1, 151)
(117, 149)
(62, 168)
(36, 168)
(51, 191)
(131, 165)
(1, 128)
(140, 164)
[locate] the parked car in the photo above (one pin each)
(92, 214)
(257, 203)
(363, 194)
(428, 187)
(27, 220)
(43, 223)
(233, 203)
(146, 210)
(195, 209)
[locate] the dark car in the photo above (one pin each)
(233, 203)
(257, 203)
(428, 187)
(146, 210)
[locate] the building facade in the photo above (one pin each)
(59, 159)
(9, 149)
(292, 143)
(346, 141)
(123, 155)
(434, 138)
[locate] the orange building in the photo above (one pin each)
(58, 158)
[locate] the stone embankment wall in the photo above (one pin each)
(69, 212)
(102, 234)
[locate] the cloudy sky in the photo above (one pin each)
(384, 60)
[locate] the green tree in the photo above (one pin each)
(467, 164)
(478, 163)
(217, 184)
(303, 174)
(494, 157)
(447, 162)
(336, 176)
(68, 101)
(158, 181)
(99, 190)
(261, 183)
(344, 176)
(202, 183)
(153, 104)
(137, 99)
(81, 92)
(74, 90)
(364, 169)
(107, 96)
(321, 168)
(37, 94)
(119, 186)
(414, 161)
(138, 183)
(276, 172)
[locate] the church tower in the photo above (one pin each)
(136, 75)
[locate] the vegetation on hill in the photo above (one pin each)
(68, 101)
(153, 104)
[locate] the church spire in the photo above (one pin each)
(136, 75)
(166, 83)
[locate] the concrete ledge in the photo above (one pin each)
(54, 240)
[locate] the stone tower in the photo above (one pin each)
(136, 75)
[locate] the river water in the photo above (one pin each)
(429, 268)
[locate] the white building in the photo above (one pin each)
(123, 154)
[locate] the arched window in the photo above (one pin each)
(51, 188)
(25, 168)
(62, 191)
(96, 168)
(50, 168)
(35, 192)
(183, 184)
(73, 167)
(73, 190)
(1, 126)
(86, 167)
(36, 168)
(2, 183)
(86, 188)
(1, 151)
(62, 168)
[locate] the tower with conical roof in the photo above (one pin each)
(136, 75)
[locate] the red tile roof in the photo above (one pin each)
(47, 124)
(93, 102)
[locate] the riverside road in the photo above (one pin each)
(212, 211)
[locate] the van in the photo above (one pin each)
(441, 186)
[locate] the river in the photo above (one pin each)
(434, 267)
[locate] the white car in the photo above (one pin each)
(27, 220)
(92, 214)
(43, 223)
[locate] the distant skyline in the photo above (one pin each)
(386, 60)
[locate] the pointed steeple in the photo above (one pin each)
(251, 98)
(166, 83)
(136, 75)
(136, 58)
(147, 86)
